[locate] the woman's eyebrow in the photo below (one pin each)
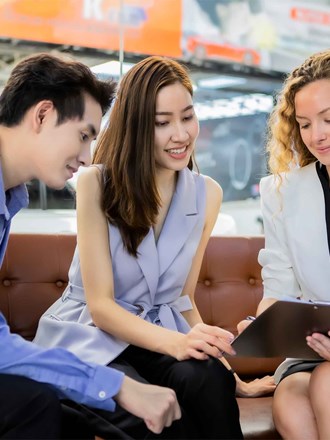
(319, 113)
(189, 107)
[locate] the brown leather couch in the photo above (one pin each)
(34, 274)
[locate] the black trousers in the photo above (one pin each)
(119, 424)
(205, 391)
(28, 409)
(32, 410)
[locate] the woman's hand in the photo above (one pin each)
(242, 325)
(321, 344)
(203, 341)
(255, 388)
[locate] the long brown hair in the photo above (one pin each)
(126, 147)
(285, 145)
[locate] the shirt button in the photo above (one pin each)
(102, 394)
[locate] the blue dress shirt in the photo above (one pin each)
(11, 201)
(87, 383)
(91, 384)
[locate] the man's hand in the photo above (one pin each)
(157, 406)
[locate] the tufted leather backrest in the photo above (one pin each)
(33, 275)
(229, 286)
(35, 272)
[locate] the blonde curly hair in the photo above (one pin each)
(285, 146)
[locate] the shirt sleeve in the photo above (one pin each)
(87, 383)
(277, 272)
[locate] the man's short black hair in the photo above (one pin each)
(49, 77)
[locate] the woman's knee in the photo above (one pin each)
(319, 387)
(282, 396)
(292, 412)
(291, 390)
(321, 375)
(210, 375)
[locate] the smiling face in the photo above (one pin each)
(312, 108)
(176, 127)
(62, 149)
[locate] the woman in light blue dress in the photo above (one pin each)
(144, 219)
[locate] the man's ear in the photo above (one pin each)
(40, 112)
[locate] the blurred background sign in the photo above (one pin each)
(150, 26)
(272, 35)
(237, 51)
(267, 35)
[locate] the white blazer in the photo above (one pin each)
(295, 261)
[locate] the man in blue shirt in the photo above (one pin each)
(50, 111)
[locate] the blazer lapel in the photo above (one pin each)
(306, 224)
(180, 220)
(147, 258)
(148, 261)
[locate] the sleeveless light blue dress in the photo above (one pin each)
(149, 286)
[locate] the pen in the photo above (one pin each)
(250, 318)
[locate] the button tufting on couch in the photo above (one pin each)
(35, 270)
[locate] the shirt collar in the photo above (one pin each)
(12, 200)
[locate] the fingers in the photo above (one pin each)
(205, 340)
(242, 325)
(212, 346)
(198, 353)
(212, 340)
(215, 331)
(320, 344)
(256, 388)
(266, 382)
(152, 426)
(177, 411)
(156, 405)
(165, 411)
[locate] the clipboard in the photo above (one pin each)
(281, 330)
